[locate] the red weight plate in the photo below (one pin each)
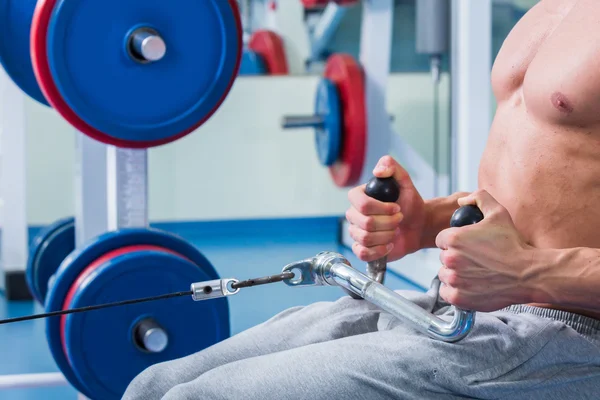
(270, 47)
(345, 72)
(41, 68)
(322, 3)
(87, 271)
(315, 3)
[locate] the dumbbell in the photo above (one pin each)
(339, 120)
(140, 80)
(100, 351)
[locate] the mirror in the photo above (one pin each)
(285, 38)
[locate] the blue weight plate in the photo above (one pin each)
(15, 25)
(104, 356)
(81, 258)
(252, 64)
(91, 66)
(48, 250)
(328, 138)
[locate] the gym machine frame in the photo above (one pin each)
(106, 200)
(111, 191)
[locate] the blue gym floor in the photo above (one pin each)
(237, 250)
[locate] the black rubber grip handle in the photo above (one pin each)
(386, 190)
(466, 215)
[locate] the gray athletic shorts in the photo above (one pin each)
(349, 349)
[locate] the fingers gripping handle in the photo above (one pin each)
(334, 270)
(466, 215)
(385, 190)
(463, 319)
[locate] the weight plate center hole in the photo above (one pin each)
(145, 45)
(149, 336)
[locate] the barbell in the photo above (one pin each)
(129, 73)
(339, 120)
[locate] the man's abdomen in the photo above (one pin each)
(547, 177)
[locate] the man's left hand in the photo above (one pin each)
(484, 265)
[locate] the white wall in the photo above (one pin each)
(240, 164)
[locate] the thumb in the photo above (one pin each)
(387, 167)
(483, 200)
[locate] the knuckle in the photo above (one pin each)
(361, 237)
(479, 192)
(452, 279)
(362, 206)
(352, 232)
(362, 253)
(349, 214)
(442, 274)
(453, 296)
(370, 224)
(444, 292)
(502, 213)
(366, 239)
(350, 195)
(398, 218)
(450, 259)
(453, 239)
(354, 195)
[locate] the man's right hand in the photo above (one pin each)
(392, 229)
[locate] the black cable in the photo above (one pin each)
(263, 281)
(242, 284)
(97, 307)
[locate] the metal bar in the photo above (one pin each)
(432, 26)
(90, 189)
(325, 28)
(23, 381)
(13, 187)
(332, 269)
(388, 300)
(127, 188)
(301, 121)
(471, 88)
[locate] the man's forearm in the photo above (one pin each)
(569, 277)
(439, 211)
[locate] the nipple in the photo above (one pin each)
(561, 103)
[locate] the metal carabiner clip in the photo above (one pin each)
(213, 289)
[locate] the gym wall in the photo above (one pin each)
(240, 164)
